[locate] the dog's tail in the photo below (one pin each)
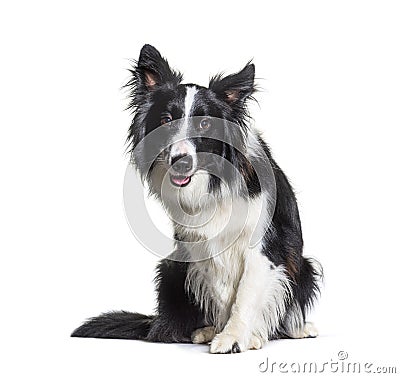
(116, 325)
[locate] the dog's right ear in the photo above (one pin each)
(153, 71)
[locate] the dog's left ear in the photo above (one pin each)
(235, 88)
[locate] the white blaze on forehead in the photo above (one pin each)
(182, 146)
(189, 100)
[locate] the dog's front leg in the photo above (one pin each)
(257, 309)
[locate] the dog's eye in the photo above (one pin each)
(205, 124)
(165, 119)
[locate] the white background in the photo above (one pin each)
(330, 73)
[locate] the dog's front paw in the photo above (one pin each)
(203, 335)
(226, 343)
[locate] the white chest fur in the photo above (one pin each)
(226, 237)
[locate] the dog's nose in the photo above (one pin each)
(182, 163)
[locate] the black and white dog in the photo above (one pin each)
(237, 277)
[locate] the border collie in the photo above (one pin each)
(237, 277)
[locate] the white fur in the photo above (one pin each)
(253, 147)
(189, 103)
(310, 330)
(183, 146)
(203, 335)
(241, 292)
(189, 100)
(294, 323)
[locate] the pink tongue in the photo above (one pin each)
(179, 181)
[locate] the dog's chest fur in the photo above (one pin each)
(228, 227)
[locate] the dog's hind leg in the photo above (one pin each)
(309, 330)
(305, 290)
(294, 326)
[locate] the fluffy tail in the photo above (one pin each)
(116, 325)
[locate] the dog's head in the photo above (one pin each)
(185, 136)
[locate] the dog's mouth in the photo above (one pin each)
(180, 181)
